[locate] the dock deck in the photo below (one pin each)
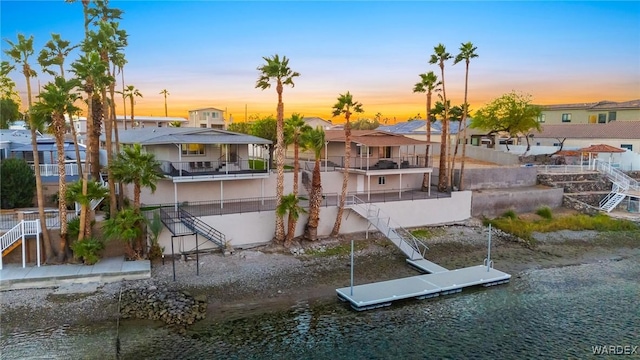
(440, 282)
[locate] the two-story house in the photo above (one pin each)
(600, 112)
(207, 118)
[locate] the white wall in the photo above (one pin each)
(255, 228)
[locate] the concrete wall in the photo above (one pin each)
(248, 229)
(491, 203)
(494, 178)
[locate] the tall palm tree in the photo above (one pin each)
(455, 117)
(165, 92)
(131, 92)
(467, 52)
(294, 128)
(134, 166)
(20, 53)
(428, 84)
(55, 52)
(314, 140)
(346, 106)
(56, 100)
(440, 56)
(89, 69)
(277, 70)
(290, 204)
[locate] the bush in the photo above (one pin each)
(545, 212)
(18, 184)
(88, 250)
(509, 214)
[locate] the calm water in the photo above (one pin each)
(551, 313)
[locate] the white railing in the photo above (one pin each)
(24, 228)
(617, 176)
(569, 169)
(52, 169)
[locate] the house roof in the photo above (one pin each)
(163, 119)
(43, 146)
(207, 108)
(600, 105)
(168, 135)
(318, 121)
(419, 127)
(21, 136)
(601, 148)
(372, 138)
(611, 130)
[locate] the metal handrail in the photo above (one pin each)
(202, 228)
(617, 176)
(25, 227)
(390, 226)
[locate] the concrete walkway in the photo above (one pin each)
(14, 276)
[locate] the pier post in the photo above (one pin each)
(489, 251)
(351, 267)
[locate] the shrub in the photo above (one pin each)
(88, 250)
(18, 184)
(510, 214)
(545, 212)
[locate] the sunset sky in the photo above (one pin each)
(205, 53)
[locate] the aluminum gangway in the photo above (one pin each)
(623, 186)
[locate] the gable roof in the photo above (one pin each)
(168, 135)
(600, 105)
(612, 130)
(207, 108)
(371, 138)
(414, 127)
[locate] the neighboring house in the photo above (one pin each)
(314, 122)
(600, 112)
(393, 161)
(417, 129)
(201, 164)
(140, 122)
(620, 134)
(207, 118)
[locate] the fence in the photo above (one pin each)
(52, 218)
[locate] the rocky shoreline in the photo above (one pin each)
(264, 278)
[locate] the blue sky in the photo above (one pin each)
(206, 52)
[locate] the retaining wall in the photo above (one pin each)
(494, 202)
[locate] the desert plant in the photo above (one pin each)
(18, 184)
(545, 212)
(509, 214)
(126, 225)
(155, 227)
(88, 249)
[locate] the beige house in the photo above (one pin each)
(591, 113)
(620, 134)
(139, 122)
(207, 118)
(314, 122)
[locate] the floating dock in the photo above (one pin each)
(440, 282)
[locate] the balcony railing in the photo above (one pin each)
(378, 163)
(52, 169)
(202, 167)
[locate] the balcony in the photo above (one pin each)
(376, 163)
(71, 169)
(206, 170)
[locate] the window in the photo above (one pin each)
(215, 115)
(381, 180)
(203, 125)
(602, 118)
(541, 118)
(627, 146)
(612, 116)
(361, 151)
(192, 149)
(556, 144)
(566, 117)
(385, 152)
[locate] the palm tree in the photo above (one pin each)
(133, 166)
(467, 52)
(314, 140)
(131, 92)
(165, 92)
(439, 57)
(455, 116)
(55, 52)
(56, 100)
(20, 52)
(428, 84)
(290, 204)
(294, 128)
(276, 69)
(89, 69)
(346, 106)
(126, 225)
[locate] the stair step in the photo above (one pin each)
(11, 248)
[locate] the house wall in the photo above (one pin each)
(262, 224)
(197, 118)
(582, 143)
(491, 203)
(582, 116)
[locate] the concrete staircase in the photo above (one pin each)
(588, 188)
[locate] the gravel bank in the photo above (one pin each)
(267, 277)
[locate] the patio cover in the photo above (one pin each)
(601, 148)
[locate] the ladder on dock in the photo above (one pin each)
(413, 248)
